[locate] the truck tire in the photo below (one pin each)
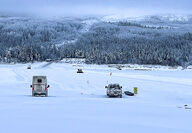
(120, 96)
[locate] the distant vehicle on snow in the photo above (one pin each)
(79, 71)
(39, 86)
(48, 60)
(29, 67)
(114, 90)
(119, 68)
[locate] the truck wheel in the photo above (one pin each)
(120, 96)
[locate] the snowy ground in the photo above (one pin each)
(77, 102)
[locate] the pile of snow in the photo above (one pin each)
(145, 67)
(73, 60)
(189, 67)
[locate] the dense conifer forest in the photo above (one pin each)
(148, 41)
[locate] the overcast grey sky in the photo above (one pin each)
(95, 7)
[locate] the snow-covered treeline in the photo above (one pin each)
(105, 42)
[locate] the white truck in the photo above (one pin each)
(39, 86)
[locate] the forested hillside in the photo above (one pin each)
(149, 41)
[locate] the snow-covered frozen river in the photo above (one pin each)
(78, 102)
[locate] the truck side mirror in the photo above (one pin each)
(105, 86)
(121, 86)
(31, 86)
(48, 86)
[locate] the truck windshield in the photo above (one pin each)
(114, 86)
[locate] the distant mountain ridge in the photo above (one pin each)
(168, 17)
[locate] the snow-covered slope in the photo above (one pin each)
(165, 18)
(88, 23)
(77, 102)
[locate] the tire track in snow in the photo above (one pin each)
(22, 74)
